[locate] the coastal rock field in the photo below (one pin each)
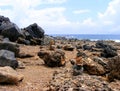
(33, 61)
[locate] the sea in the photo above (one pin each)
(92, 37)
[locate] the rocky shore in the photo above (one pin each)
(33, 61)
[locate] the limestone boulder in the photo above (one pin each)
(9, 75)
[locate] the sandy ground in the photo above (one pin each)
(36, 74)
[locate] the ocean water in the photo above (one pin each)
(93, 37)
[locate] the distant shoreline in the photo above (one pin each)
(91, 37)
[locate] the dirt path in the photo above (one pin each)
(36, 74)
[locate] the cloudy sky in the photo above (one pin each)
(65, 16)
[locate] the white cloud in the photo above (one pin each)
(53, 20)
(81, 11)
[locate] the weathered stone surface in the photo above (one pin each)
(11, 31)
(7, 58)
(53, 59)
(9, 75)
(64, 81)
(92, 67)
(114, 65)
(34, 31)
(10, 46)
(108, 50)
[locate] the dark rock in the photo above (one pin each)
(21, 40)
(87, 47)
(53, 59)
(78, 46)
(34, 34)
(34, 31)
(68, 47)
(108, 52)
(7, 58)
(77, 70)
(102, 44)
(11, 31)
(10, 46)
(114, 65)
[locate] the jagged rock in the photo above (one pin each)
(10, 46)
(34, 34)
(53, 59)
(68, 47)
(114, 65)
(34, 31)
(7, 58)
(9, 75)
(102, 44)
(64, 81)
(108, 52)
(92, 67)
(11, 31)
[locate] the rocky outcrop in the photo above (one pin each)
(92, 67)
(9, 29)
(7, 45)
(9, 75)
(53, 59)
(64, 81)
(108, 50)
(34, 34)
(7, 58)
(114, 65)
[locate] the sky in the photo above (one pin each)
(65, 16)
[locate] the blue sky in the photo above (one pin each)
(65, 16)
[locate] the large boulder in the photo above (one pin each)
(7, 58)
(34, 35)
(114, 65)
(10, 46)
(34, 31)
(9, 29)
(53, 59)
(9, 75)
